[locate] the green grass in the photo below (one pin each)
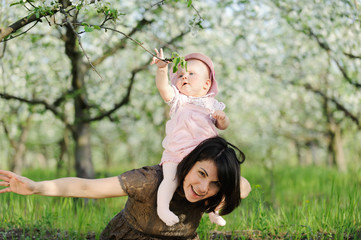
(296, 203)
(41, 214)
(50, 214)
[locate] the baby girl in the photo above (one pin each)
(195, 116)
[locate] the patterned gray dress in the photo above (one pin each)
(139, 219)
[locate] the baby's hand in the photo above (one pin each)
(160, 63)
(219, 115)
(222, 120)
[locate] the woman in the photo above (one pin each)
(208, 181)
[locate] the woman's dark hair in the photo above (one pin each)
(224, 156)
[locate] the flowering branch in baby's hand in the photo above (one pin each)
(161, 62)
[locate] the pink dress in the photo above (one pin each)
(190, 123)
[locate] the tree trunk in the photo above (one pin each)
(64, 158)
(308, 154)
(298, 152)
(314, 152)
(337, 147)
(106, 153)
(20, 147)
(81, 132)
(83, 160)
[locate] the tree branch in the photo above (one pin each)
(126, 98)
(27, 30)
(123, 41)
(339, 106)
(345, 75)
(323, 45)
(326, 47)
(31, 102)
(6, 31)
(350, 55)
(130, 38)
(7, 134)
(158, 3)
(79, 42)
(46, 105)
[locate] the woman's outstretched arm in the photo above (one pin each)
(62, 187)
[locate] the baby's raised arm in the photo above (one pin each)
(62, 187)
(161, 79)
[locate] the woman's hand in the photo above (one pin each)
(16, 183)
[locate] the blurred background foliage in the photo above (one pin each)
(288, 72)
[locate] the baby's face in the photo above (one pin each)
(195, 81)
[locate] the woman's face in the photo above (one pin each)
(201, 182)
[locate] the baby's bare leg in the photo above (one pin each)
(245, 189)
(165, 193)
(215, 218)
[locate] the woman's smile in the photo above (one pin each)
(196, 193)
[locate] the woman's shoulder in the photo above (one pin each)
(146, 173)
(136, 181)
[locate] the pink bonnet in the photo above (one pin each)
(208, 62)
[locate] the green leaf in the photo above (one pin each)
(178, 60)
(175, 64)
(175, 55)
(35, 38)
(199, 24)
(184, 64)
(16, 3)
(189, 3)
(88, 29)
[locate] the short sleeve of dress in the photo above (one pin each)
(218, 105)
(175, 97)
(140, 183)
(176, 101)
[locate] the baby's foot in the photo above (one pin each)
(215, 218)
(167, 216)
